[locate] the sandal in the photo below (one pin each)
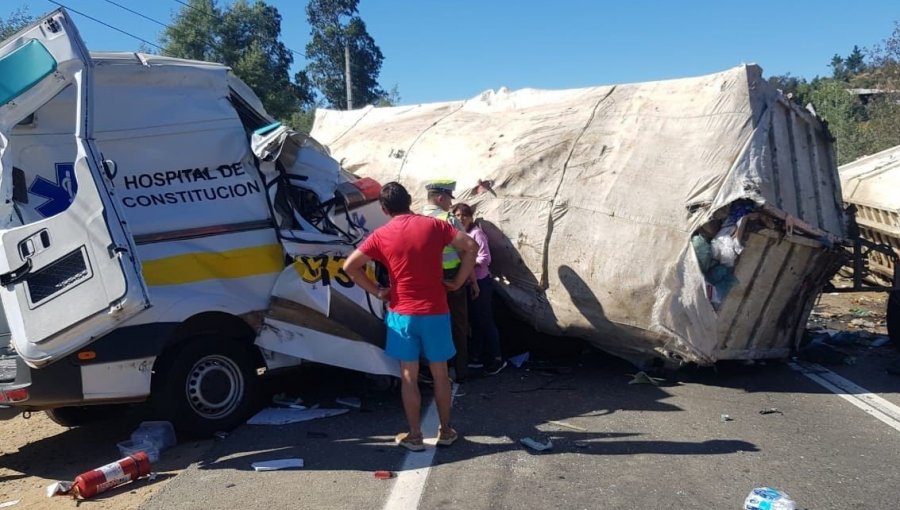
(413, 444)
(447, 438)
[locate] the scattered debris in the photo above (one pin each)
(8, 504)
(59, 487)
(771, 410)
(520, 359)
(283, 416)
(159, 433)
(643, 378)
(353, 402)
(384, 475)
(724, 418)
(534, 445)
(861, 323)
(767, 498)
(283, 399)
(130, 447)
(567, 425)
(860, 312)
(277, 464)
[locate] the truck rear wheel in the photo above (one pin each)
(209, 384)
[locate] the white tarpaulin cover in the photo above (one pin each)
(597, 193)
(872, 184)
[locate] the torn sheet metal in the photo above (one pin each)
(308, 343)
(592, 199)
(871, 183)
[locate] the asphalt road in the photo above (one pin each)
(615, 445)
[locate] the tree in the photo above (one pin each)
(335, 28)
(391, 98)
(792, 86)
(844, 69)
(842, 110)
(16, 21)
(244, 37)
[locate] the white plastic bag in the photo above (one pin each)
(725, 248)
(767, 498)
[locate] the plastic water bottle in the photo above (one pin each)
(767, 498)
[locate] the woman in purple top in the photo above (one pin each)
(485, 337)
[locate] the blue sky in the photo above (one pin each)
(439, 50)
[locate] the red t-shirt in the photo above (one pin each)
(411, 247)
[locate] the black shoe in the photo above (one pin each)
(425, 378)
(494, 367)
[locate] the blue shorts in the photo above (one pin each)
(409, 336)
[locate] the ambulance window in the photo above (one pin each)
(23, 69)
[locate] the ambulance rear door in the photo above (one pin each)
(69, 278)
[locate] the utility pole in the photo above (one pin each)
(347, 78)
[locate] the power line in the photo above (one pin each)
(148, 18)
(129, 34)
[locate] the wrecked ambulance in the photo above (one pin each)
(689, 220)
(162, 239)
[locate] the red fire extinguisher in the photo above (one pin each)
(103, 478)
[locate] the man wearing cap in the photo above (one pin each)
(440, 199)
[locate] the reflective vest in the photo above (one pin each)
(450, 256)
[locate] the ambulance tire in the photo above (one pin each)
(77, 416)
(893, 317)
(207, 385)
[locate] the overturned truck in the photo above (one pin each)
(693, 220)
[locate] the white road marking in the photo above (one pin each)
(410, 482)
(875, 406)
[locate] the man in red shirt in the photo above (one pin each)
(418, 319)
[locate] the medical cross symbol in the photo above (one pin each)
(59, 194)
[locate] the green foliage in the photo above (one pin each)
(335, 24)
(845, 68)
(391, 98)
(16, 21)
(797, 88)
(302, 120)
(883, 126)
(841, 109)
(245, 37)
(860, 102)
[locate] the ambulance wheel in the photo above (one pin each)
(893, 317)
(77, 416)
(210, 384)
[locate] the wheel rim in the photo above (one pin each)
(215, 386)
